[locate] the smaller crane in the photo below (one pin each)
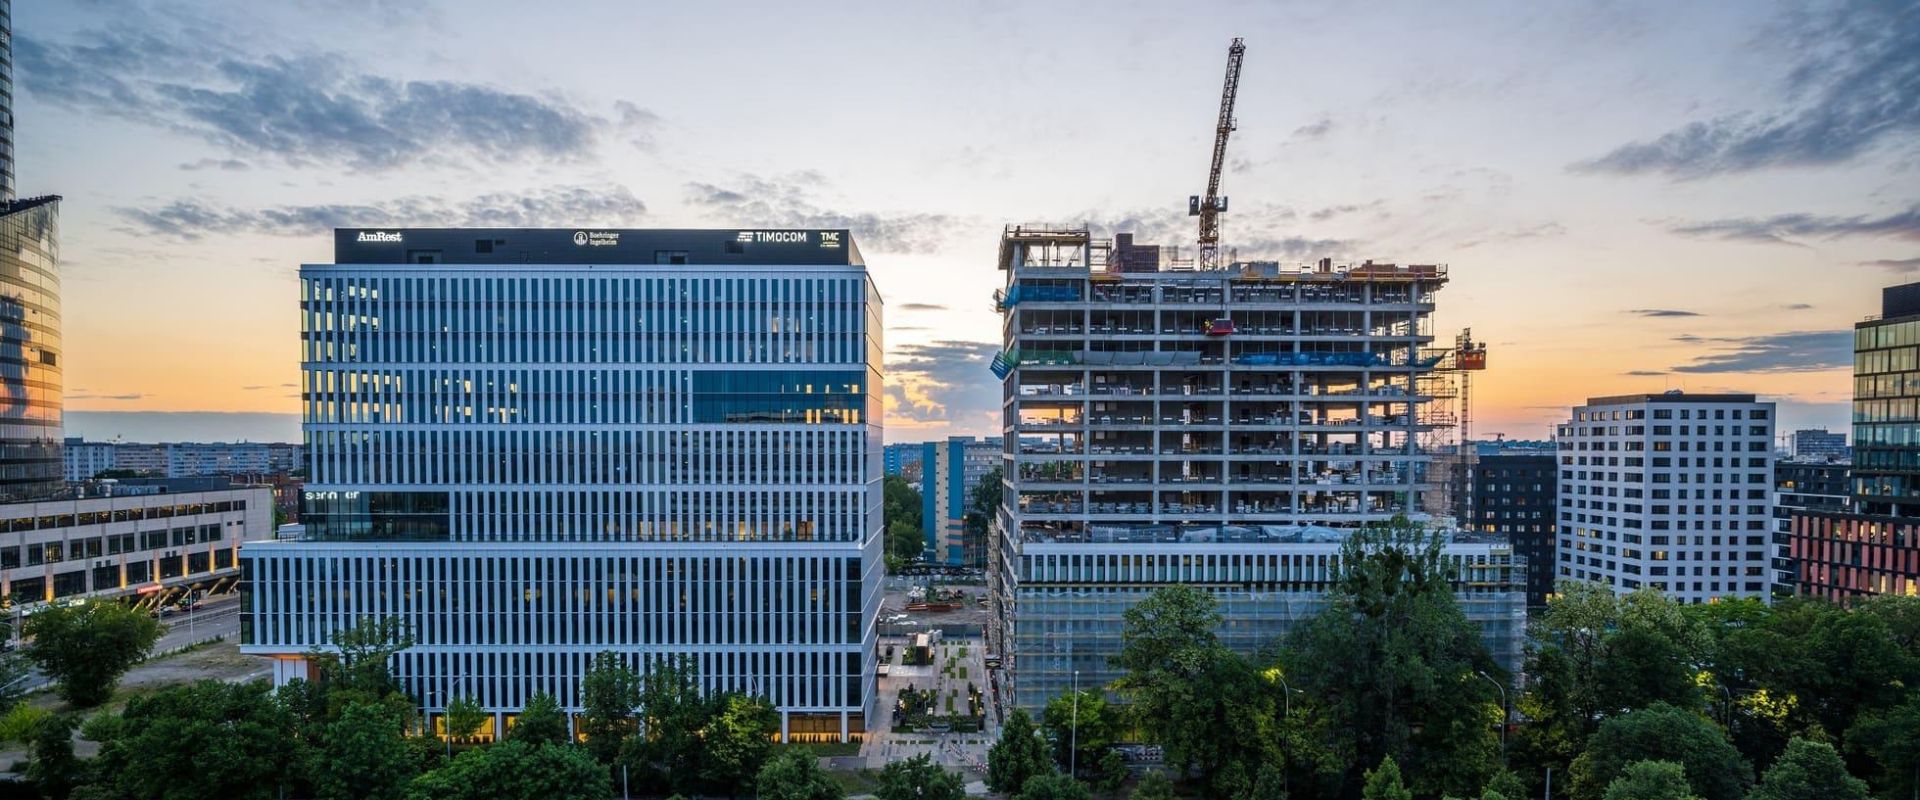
(1210, 207)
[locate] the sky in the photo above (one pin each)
(1630, 196)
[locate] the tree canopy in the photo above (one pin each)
(86, 647)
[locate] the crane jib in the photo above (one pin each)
(1209, 207)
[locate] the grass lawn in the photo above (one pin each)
(829, 749)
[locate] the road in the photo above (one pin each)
(218, 617)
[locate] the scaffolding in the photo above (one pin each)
(1450, 384)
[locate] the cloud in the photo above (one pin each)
(251, 388)
(1314, 130)
(226, 164)
(128, 396)
(1642, 373)
(943, 382)
(921, 307)
(1324, 214)
(1798, 351)
(190, 220)
(166, 71)
(1785, 228)
(791, 201)
(1895, 264)
(1796, 306)
(1664, 312)
(1856, 86)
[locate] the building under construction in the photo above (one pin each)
(1222, 428)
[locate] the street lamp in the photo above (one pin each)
(1073, 739)
(446, 723)
(1506, 713)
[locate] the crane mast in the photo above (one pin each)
(1210, 207)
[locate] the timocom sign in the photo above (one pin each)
(378, 237)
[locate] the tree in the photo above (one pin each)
(985, 504)
(1650, 780)
(1507, 785)
(1887, 738)
(207, 739)
(1097, 726)
(1206, 705)
(88, 646)
(1113, 773)
(1834, 664)
(365, 756)
(1268, 784)
(608, 695)
(465, 718)
(1810, 771)
(793, 774)
(1153, 786)
(1396, 667)
(540, 722)
(1585, 621)
(1053, 786)
(20, 722)
(1383, 783)
(738, 741)
(901, 511)
(362, 653)
(1641, 665)
(918, 778)
(516, 770)
(54, 770)
(673, 712)
(1017, 756)
(1661, 732)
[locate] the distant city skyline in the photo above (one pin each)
(1631, 196)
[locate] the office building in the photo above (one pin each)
(1514, 486)
(537, 445)
(1672, 491)
(1817, 444)
(1218, 428)
(903, 460)
(145, 537)
(30, 350)
(1799, 487)
(950, 474)
(1874, 548)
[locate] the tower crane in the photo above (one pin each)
(1210, 207)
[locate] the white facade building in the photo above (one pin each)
(1672, 491)
(1222, 429)
(533, 446)
(85, 459)
(155, 538)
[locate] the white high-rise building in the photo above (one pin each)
(1672, 491)
(532, 446)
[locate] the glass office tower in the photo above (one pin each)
(30, 395)
(1874, 548)
(532, 446)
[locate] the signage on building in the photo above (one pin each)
(379, 237)
(772, 237)
(830, 239)
(596, 238)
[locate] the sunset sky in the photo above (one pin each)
(1631, 196)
